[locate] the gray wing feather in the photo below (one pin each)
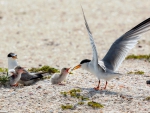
(27, 76)
(102, 65)
(95, 56)
(119, 49)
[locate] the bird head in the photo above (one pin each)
(65, 70)
(12, 56)
(83, 64)
(19, 69)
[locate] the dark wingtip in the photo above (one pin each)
(39, 76)
(142, 23)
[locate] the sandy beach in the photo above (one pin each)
(52, 32)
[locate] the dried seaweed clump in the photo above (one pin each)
(76, 93)
(136, 72)
(95, 104)
(3, 79)
(147, 57)
(73, 93)
(147, 99)
(45, 68)
(64, 94)
(67, 106)
(3, 69)
(80, 103)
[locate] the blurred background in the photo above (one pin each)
(52, 32)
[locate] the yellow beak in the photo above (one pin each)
(76, 67)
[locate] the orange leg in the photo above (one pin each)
(105, 85)
(97, 88)
(15, 85)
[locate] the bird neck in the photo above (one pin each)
(85, 66)
(89, 67)
(12, 63)
(63, 73)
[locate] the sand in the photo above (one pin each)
(46, 32)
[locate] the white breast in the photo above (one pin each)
(12, 63)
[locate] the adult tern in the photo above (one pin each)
(107, 67)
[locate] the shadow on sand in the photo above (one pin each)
(92, 91)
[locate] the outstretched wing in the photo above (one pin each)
(95, 56)
(122, 45)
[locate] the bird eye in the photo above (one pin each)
(19, 67)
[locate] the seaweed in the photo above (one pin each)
(3, 70)
(75, 93)
(147, 57)
(136, 72)
(64, 94)
(80, 103)
(67, 106)
(139, 72)
(147, 99)
(45, 68)
(3, 79)
(95, 104)
(83, 98)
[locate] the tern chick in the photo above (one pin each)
(16, 75)
(57, 78)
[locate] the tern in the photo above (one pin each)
(16, 75)
(107, 67)
(12, 60)
(27, 78)
(57, 78)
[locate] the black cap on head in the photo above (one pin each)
(11, 55)
(85, 61)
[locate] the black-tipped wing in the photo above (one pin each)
(121, 46)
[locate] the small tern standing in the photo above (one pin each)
(106, 68)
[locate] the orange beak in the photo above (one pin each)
(14, 57)
(76, 67)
